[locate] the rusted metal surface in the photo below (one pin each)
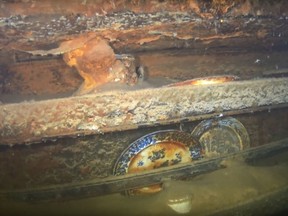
(123, 110)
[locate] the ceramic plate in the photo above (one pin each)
(155, 150)
(221, 136)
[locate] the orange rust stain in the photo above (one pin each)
(93, 61)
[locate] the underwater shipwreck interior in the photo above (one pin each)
(137, 107)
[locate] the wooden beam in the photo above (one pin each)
(123, 110)
(156, 25)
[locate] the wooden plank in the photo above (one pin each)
(124, 110)
(116, 184)
(170, 25)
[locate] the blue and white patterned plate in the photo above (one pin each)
(155, 150)
(158, 149)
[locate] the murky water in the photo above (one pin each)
(246, 188)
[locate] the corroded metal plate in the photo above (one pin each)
(155, 150)
(221, 136)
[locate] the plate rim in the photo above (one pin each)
(232, 78)
(244, 138)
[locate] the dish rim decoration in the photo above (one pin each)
(227, 122)
(122, 163)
